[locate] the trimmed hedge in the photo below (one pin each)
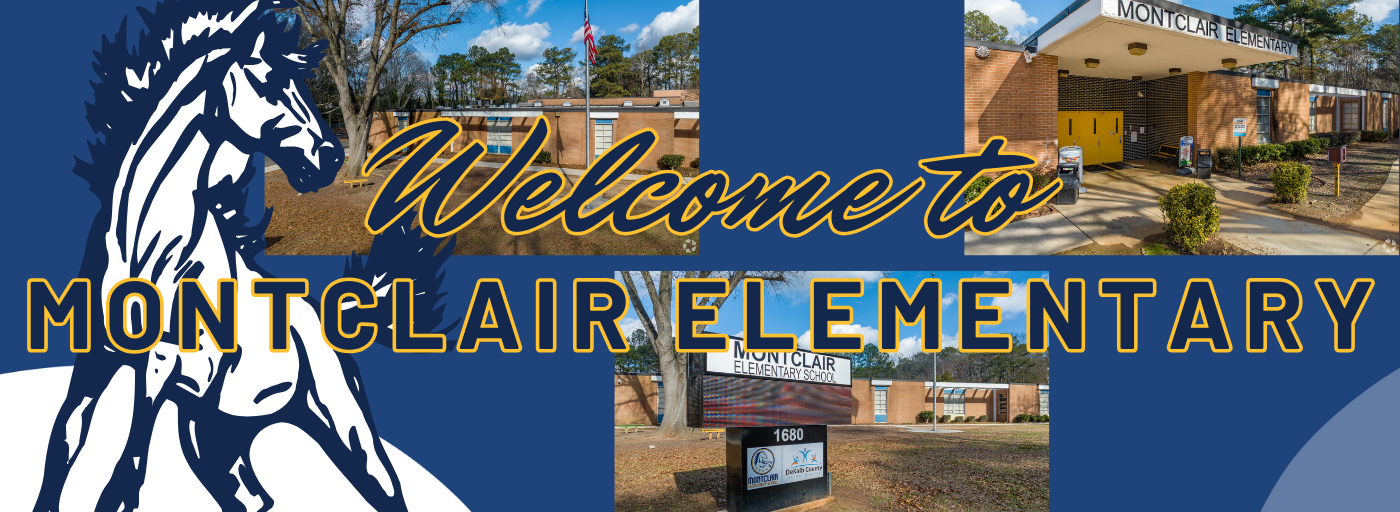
(544, 157)
(926, 416)
(1291, 182)
(670, 161)
(982, 418)
(1374, 136)
(1226, 158)
(1192, 217)
(1335, 139)
(1263, 153)
(975, 189)
(944, 418)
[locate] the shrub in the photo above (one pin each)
(1047, 418)
(1291, 182)
(1040, 180)
(982, 418)
(670, 161)
(944, 418)
(1192, 217)
(1314, 146)
(1324, 140)
(544, 157)
(1297, 148)
(1348, 138)
(976, 188)
(1022, 418)
(1226, 158)
(1263, 153)
(695, 163)
(1374, 136)
(926, 416)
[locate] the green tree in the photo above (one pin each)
(916, 367)
(612, 71)
(495, 73)
(977, 25)
(557, 70)
(640, 357)
(871, 363)
(1385, 48)
(946, 376)
(454, 73)
(1311, 22)
(675, 59)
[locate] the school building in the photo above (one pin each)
(1121, 78)
(675, 119)
(639, 400)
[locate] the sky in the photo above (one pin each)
(532, 26)
(1022, 18)
(787, 312)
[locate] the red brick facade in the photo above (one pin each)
(1291, 112)
(567, 143)
(1213, 103)
(1004, 95)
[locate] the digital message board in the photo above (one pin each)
(751, 389)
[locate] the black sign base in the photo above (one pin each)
(772, 468)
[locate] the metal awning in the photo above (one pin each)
(1176, 37)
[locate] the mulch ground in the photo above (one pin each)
(1362, 175)
(331, 221)
(873, 468)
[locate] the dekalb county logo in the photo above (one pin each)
(762, 461)
(804, 458)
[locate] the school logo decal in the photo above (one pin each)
(183, 112)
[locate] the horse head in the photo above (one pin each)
(266, 98)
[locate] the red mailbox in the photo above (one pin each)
(1337, 155)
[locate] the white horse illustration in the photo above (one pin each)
(209, 88)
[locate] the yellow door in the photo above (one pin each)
(1078, 129)
(1093, 131)
(1111, 136)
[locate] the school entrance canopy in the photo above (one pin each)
(1164, 36)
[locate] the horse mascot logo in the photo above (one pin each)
(180, 115)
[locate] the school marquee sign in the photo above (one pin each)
(1199, 24)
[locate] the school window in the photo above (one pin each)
(403, 122)
(602, 136)
(881, 396)
(1045, 403)
(954, 403)
(1351, 115)
(1264, 108)
(1312, 114)
(498, 135)
(1385, 114)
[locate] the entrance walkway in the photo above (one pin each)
(1120, 207)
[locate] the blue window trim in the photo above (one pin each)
(603, 121)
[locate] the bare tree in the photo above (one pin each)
(658, 325)
(382, 28)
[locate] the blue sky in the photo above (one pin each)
(1024, 17)
(787, 312)
(532, 26)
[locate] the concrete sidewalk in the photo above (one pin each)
(1120, 207)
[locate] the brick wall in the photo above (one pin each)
(1166, 112)
(1291, 112)
(567, 143)
(1004, 95)
(634, 400)
(1213, 102)
(1326, 114)
(1024, 399)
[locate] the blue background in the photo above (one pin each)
(791, 89)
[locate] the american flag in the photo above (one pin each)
(588, 37)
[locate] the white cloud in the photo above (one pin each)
(682, 19)
(949, 299)
(1013, 305)
(578, 34)
(1377, 9)
(629, 28)
(630, 323)
(525, 41)
(534, 6)
(1007, 13)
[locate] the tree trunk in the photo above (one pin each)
(357, 127)
(673, 374)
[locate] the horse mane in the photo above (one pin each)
(132, 78)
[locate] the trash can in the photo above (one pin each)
(1203, 163)
(1069, 184)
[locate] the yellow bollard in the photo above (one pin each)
(1337, 183)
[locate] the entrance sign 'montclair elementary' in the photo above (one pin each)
(1212, 27)
(752, 389)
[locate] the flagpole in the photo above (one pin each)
(587, 96)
